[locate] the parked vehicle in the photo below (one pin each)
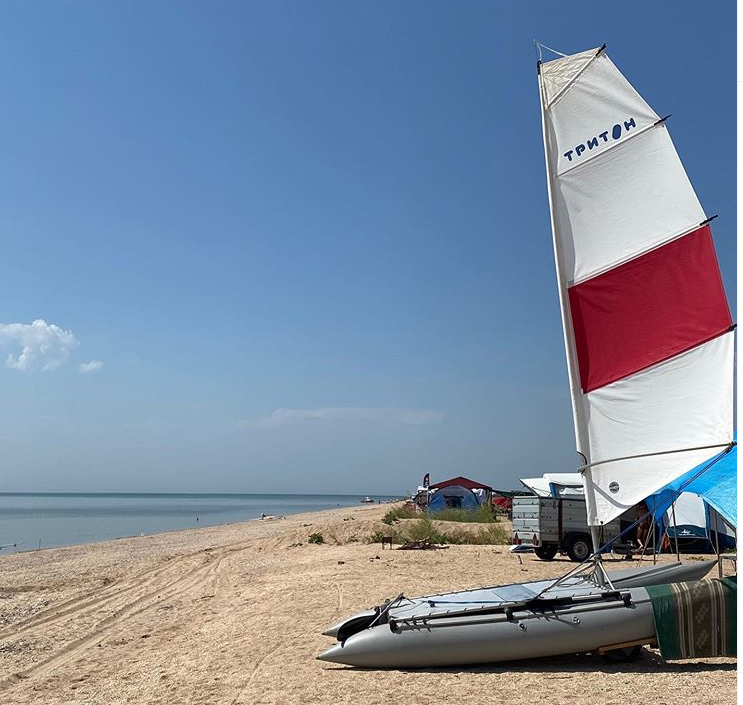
(555, 525)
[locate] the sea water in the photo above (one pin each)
(30, 521)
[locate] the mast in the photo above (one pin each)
(647, 329)
(579, 422)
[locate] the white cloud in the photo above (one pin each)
(42, 345)
(88, 367)
(330, 414)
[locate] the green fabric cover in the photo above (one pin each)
(695, 619)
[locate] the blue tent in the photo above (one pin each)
(452, 497)
(715, 481)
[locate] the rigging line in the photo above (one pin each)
(386, 609)
(583, 468)
(592, 557)
(571, 573)
(538, 48)
(582, 69)
(675, 495)
(596, 155)
(554, 51)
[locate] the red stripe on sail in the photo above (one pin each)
(648, 310)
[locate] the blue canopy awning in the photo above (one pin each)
(717, 485)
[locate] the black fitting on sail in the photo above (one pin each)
(663, 119)
(601, 49)
(539, 67)
(709, 220)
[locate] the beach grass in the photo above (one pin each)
(483, 514)
(427, 529)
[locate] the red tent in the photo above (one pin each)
(462, 482)
(503, 503)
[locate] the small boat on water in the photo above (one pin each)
(367, 500)
(650, 351)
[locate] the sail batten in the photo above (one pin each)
(560, 74)
(599, 155)
(657, 453)
(646, 322)
(676, 236)
(616, 209)
(578, 72)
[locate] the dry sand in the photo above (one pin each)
(233, 614)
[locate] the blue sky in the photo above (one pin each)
(305, 246)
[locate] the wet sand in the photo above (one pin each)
(233, 614)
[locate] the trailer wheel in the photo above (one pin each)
(579, 549)
(546, 553)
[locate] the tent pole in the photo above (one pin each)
(652, 529)
(713, 513)
(665, 535)
(675, 531)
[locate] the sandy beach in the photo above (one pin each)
(233, 614)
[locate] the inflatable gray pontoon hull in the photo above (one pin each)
(505, 623)
(526, 633)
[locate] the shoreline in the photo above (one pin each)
(187, 530)
(233, 614)
(144, 536)
(31, 547)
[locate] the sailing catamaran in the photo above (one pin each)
(649, 344)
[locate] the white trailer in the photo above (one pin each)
(555, 525)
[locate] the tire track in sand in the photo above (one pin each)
(143, 596)
(255, 670)
(95, 598)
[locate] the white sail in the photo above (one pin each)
(648, 332)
